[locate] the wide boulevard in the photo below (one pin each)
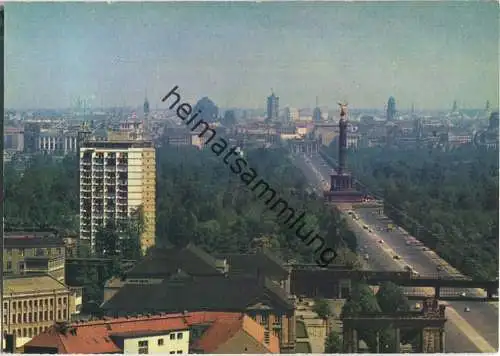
(473, 331)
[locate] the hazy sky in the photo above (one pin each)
(423, 52)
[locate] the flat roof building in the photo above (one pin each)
(117, 180)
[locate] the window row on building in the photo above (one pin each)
(36, 316)
(29, 332)
(35, 303)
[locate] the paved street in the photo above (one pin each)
(474, 331)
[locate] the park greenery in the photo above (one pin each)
(204, 203)
(446, 198)
(199, 200)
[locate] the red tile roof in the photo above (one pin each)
(94, 336)
(222, 330)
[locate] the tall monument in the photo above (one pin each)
(341, 182)
(342, 138)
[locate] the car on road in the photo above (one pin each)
(417, 306)
(466, 309)
(366, 257)
(463, 294)
(370, 230)
(380, 241)
(365, 227)
(396, 257)
(425, 249)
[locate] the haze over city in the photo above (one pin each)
(429, 54)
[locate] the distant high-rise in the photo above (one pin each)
(291, 114)
(273, 107)
(391, 109)
(146, 115)
(146, 107)
(455, 106)
(317, 112)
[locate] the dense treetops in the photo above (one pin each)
(449, 199)
(199, 200)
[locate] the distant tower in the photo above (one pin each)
(455, 106)
(487, 107)
(273, 107)
(391, 109)
(317, 112)
(146, 114)
(342, 138)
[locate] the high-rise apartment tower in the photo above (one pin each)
(117, 180)
(273, 107)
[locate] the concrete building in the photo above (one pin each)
(291, 114)
(14, 139)
(117, 180)
(31, 304)
(57, 141)
(391, 109)
(34, 253)
(273, 107)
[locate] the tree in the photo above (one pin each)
(333, 344)
(322, 308)
(106, 240)
(391, 299)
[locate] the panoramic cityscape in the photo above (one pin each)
(233, 178)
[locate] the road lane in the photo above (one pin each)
(476, 331)
(483, 316)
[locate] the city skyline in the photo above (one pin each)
(426, 54)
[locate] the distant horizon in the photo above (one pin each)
(351, 109)
(426, 53)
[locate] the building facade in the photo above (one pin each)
(31, 304)
(273, 107)
(34, 253)
(14, 139)
(117, 180)
(57, 142)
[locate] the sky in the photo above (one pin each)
(425, 53)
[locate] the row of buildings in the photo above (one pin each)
(35, 294)
(174, 300)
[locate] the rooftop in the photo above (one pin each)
(30, 284)
(96, 336)
(210, 293)
(223, 330)
(261, 262)
(32, 239)
(165, 262)
(99, 336)
(116, 144)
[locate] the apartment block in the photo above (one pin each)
(117, 179)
